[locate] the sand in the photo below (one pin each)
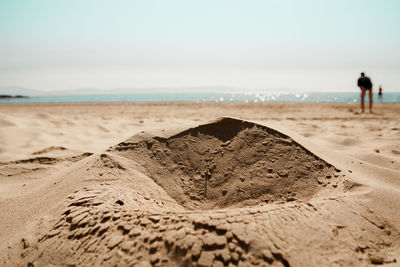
(224, 184)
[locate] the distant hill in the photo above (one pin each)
(12, 96)
(20, 91)
(94, 91)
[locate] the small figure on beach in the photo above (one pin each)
(365, 85)
(380, 96)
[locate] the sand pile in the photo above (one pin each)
(229, 163)
(226, 193)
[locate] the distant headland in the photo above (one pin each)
(12, 96)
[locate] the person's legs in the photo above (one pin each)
(370, 100)
(362, 99)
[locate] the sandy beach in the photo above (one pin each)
(210, 184)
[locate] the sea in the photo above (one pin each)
(204, 98)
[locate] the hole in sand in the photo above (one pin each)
(229, 163)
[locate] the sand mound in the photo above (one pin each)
(229, 163)
(222, 194)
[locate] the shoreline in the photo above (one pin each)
(344, 98)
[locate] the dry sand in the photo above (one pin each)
(169, 184)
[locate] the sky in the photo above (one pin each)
(263, 45)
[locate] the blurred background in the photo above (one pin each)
(273, 46)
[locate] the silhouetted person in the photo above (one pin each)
(380, 95)
(365, 85)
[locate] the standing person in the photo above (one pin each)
(380, 96)
(365, 85)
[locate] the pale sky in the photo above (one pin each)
(319, 45)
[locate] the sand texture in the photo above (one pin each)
(199, 185)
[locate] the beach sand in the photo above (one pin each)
(211, 184)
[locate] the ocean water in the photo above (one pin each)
(205, 97)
